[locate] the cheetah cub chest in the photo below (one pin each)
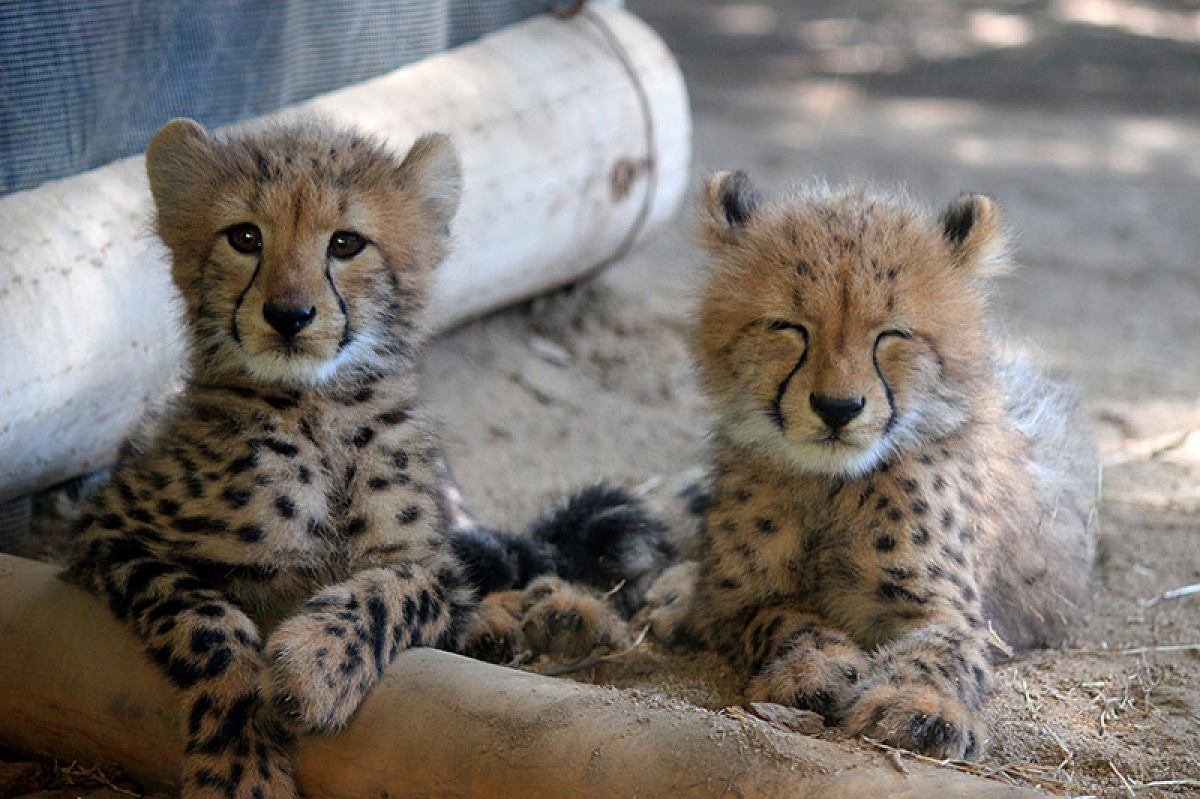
(894, 485)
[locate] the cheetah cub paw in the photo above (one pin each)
(310, 679)
(495, 634)
(667, 603)
(920, 719)
(567, 620)
(550, 617)
(823, 680)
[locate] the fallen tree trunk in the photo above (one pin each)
(76, 686)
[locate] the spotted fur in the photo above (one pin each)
(289, 524)
(551, 616)
(893, 487)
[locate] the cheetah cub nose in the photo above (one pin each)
(836, 412)
(288, 320)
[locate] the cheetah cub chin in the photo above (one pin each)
(894, 486)
(290, 525)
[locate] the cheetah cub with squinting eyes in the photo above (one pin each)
(894, 487)
(289, 525)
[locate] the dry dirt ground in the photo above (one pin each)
(1082, 118)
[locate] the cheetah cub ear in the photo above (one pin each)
(971, 226)
(178, 159)
(431, 174)
(725, 207)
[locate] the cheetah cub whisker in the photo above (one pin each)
(891, 479)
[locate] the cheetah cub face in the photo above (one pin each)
(312, 263)
(836, 331)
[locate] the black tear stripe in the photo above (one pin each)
(777, 403)
(887, 389)
(347, 331)
(937, 357)
(237, 306)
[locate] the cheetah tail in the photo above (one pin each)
(498, 561)
(603, 536)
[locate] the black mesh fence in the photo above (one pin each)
(85, 83)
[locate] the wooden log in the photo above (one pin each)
(76, 686)
(575, 140)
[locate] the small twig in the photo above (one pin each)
(732, 786)
(894, 759)
(995, 640)
(1029, 706)
(613, 590)
(1140, 650)
(1149, 449)
(75, 772)
(636, 643)
(1030, 772)
(1068, 755)
(1155, 501)
(1146, 650)
(582, 664)
(593, 658)
(520, 659)
(1121, 777)
(1175, 593)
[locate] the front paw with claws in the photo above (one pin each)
(920, 719)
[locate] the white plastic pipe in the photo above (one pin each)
(575, 139)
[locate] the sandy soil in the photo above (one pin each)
(1083, 120)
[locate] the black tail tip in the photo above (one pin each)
(496, 561)
(603, 536)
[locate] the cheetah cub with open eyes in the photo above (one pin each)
(290, 524)
(893, 485)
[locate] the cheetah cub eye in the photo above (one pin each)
(245, 238)
(345, 244)
(793, 329)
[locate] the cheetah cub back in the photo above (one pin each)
(894, 484)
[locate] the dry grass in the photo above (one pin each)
(1035, 774)
(79, 775)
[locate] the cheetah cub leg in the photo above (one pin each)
(324, 659)
(924, 691)
(550, 617)
(804, 663)
(668, 602)
(211, 651)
